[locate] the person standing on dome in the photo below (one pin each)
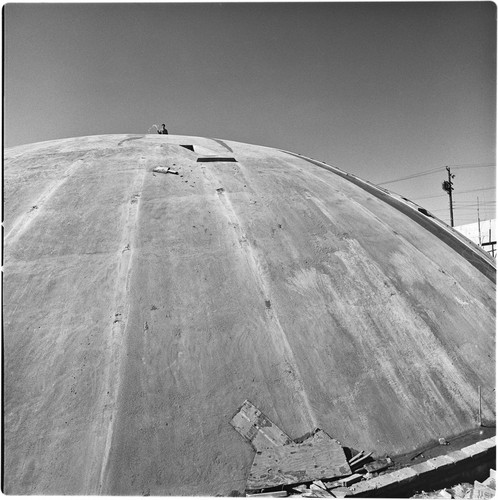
(162, 130)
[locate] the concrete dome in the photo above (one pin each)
(141, 309)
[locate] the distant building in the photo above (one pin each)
(487, 238)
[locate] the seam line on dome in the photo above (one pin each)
(121, 307)
(278, 336)
(428, 223)
(25, 220)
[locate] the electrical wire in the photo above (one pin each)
(475, 190)
(478, 201)
(456, 192)
(473, 165)
(413, 176)
(437, 169)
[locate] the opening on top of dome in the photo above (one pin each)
(215, 158)
(190, 147)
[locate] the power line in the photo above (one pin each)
(473, 208)
(473, 205)
(413, 176)
(464, 207)
(477, 189)
(473, 202)
(473, 165)
(462, 211)
(458, 192)
(434, 170)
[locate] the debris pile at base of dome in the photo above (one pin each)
(486, 489)
(317, 466)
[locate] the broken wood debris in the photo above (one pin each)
(320, 492)
(490, 482)
(358, 455)
(445, 494)
(460, 490)
(317, 489)
(319, 457)
(320, 484)
(301, 488)
(280, 461)
(348, 481)
(482, 491)
(165, 170)
(331, 484)
(341, 492)
(479, 490)
(378, 465)
(312, 466)
(359, 459)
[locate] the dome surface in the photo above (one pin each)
(141, 309)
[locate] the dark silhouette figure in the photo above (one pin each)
(162, 130)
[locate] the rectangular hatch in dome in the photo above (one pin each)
(190, 147)
(215, 158)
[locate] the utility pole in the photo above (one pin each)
(448, 187)
(478, 222)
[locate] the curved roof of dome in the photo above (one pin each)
(141, 309)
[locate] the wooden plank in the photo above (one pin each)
(353, 459)
(348, 481)
(320, 484)
(352, 463)
(257, 428)
(319, 492)
(331, 484)
(318, 457)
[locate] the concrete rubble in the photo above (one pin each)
(481, 490)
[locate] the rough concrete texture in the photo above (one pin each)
(440, 462)
(141, 309)
(457, 455)
(403, 475)
(475, 449)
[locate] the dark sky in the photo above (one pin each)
(381, 90)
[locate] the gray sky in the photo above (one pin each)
(381, 90)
